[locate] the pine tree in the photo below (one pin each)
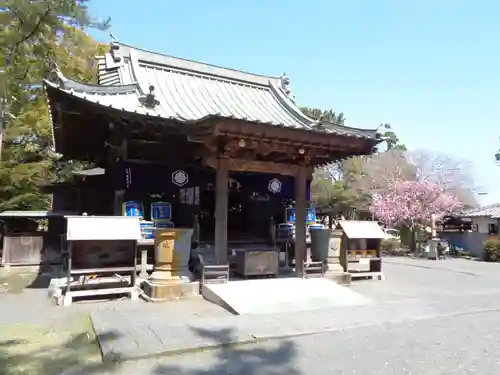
(37, 36)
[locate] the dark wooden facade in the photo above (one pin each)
(87, 129)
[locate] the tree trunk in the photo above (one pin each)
(413, 239)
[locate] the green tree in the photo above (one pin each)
(35, 38)
(330, 194)
(326, 117)
(330, 186)
(334, 188)
(391, 139)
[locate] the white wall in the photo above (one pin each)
(482, 223)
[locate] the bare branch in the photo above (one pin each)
(442, 168)
(455, 175)
(381, 170)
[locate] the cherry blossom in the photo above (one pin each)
(412, 202)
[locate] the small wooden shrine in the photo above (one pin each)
(224, 150)
(360, 252)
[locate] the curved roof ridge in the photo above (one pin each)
(57, 79)
(146, 55)
(347, 127)
(290, 105)
(195, 73)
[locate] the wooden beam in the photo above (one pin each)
(277, 150)
(146, 142)
(146, 162)
(221, 211)
(241, 165)
(302, 137)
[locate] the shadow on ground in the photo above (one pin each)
(77, 355)
(18, 282)
(245, 359)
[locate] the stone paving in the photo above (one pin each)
(440, 323)
(462, 345)
(407, 295)
(432, 317)
(130, 336)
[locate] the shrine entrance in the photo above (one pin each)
(238, 132)
(252, 207)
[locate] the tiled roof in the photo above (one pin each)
(190, 91)
(492, 211)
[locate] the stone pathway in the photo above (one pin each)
(455, 345)
(134, 329)
(127, 335)
(408, 294)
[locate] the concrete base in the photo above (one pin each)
(181, 275)
(335, 272)
(173, 290)
(342, 278)
(273, 296)
(432, 252)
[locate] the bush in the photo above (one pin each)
(492, 249)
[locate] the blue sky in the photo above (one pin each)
(429, 68)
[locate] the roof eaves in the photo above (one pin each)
(316, 125)
(492, 210)
(71, 87)
(347, 130)
(278, 85)
(59, 81)
(290, 106)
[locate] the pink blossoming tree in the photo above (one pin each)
(412, 202)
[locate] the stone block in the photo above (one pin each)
(174, 290)
(342, 278)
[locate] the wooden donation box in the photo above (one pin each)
(94, 278)
(360, 248)
(257, 262)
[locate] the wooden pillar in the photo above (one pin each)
(118, 153)
(221, 208)
(118, 202)
(300, 220)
